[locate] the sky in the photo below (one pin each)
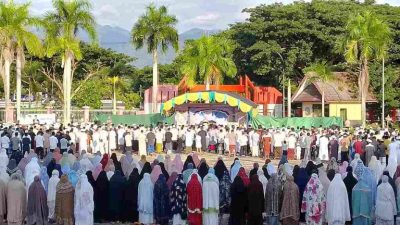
(204, 14)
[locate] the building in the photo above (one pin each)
(342, 98)
(227, 101)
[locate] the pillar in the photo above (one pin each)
(120, 110)
(49, 109)
(9, 114)
(86, 115)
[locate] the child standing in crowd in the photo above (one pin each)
(198, 143)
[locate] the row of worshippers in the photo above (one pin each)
(102, 188)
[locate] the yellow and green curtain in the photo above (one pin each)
(210, 96)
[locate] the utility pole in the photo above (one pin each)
(383, 93)
(283, 85)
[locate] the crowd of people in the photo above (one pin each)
(71, 176)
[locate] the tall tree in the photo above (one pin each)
(320, 72)
(208, 59)
(367, 38)
(16, 24)
(62, 26)
(156, 28)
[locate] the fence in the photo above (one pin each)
(77, 115)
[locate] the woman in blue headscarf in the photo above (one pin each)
(186, 173)
(44, 177)
(235, 169)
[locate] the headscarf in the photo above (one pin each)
(332, 165)
(242, 174)
(44, 177)
(310, 168)
(355, 160)
(38, 211)
(195, 200)
(145, 195)
(53, 181)
(22, 164)
(168, 164)
(203, 169)
(161, 200)
(290, 200)
(337, 202)
(32, 169)
(164, 171)
(196, 159)
(12, 167)
(220, 169)
(314, 200)
(392, 166)
(171, 179)
(376, 167)
(104, 161)
(189, 159)
(385, 201)
(155, 173)
(262, 179)
(224, 193)
(47, 159)
(146, 169)
(85, 164)
(64, 160)
(96, 171)
(323, 178)
(53, 166)
(116, 194)
(235, 169)
(64, 186)
(188, 172)
(101, 192)
(131, 197)
(76, 166)
(84, 203)
(238, 201)
(273, 195)
(178, 198)
(178, 163)
(117, 164)
(271, 169)
(342, 168)
(56, 155)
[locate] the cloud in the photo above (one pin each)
(206, 19)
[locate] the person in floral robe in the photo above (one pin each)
(314, 201)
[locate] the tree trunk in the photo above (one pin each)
(289, 96)
(67, 87)
(7, 65)
(155, 82)
(323, 102)
(18, 80)
(114, 98)
(364, 90)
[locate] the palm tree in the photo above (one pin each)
(156, 28)
(62, 26)
(320, 72)
(367, 38)
(208, 59)
(16, 24)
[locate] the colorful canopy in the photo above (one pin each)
(232, 99)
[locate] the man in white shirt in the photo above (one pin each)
(291, 141)
(189, 138)
(39, 143)
(121, 139)
(5, 141)
(243, 141)
(128, 141)
(159, 141)
(53, 142)
(255, 140)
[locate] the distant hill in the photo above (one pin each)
(118, 39)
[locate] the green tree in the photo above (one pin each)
(156, 28)
(208, 59)
(15, 26)
(367, 38)
(320, 72)
(62, 26)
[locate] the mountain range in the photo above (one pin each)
(118, 39)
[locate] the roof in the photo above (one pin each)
(342, 88)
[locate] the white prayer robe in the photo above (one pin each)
(337, 202)
(3, 160)
(142, 144)
(323, 148)
(385, 208)
(83, 204)
(32, 169)
(262, 179)
(145, 200)
(210, 199)
(51, 193)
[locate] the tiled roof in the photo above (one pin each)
(342, 88)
